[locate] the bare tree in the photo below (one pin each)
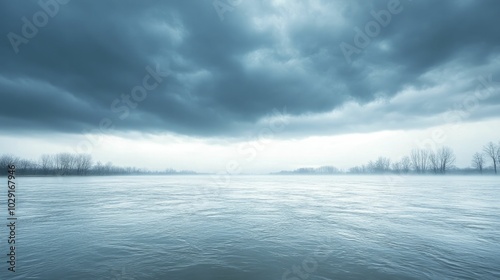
(78, 164)
(419, 159)
(396, 167)
(46, 163)
(86, 163)
(370, 167)
(424, 156)
(382, 165)
(109, 168)
(7, 160)
(98, 168)
(83, 162)
(434, 162)
(446, 158)
(65, 163)
(405, 164)
(498, 152)
(478, 161)
(57, 164)
(357, 169)
(26, 166)
(491, 150)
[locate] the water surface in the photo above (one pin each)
(256, 227)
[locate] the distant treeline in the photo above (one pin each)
(420, 161)
(66, 164)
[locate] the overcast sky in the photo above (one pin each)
(265, 85)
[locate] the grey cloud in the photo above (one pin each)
(227, 75)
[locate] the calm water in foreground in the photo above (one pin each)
(257, 227)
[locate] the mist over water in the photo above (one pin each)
(257, 227)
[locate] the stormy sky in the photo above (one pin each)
(273, 84)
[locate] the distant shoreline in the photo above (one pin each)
(489, 174)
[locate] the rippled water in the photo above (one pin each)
(257, 227)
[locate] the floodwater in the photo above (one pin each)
(255, 227)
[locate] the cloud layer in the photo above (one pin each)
(75, 67)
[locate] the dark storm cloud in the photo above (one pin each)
(226, 75)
